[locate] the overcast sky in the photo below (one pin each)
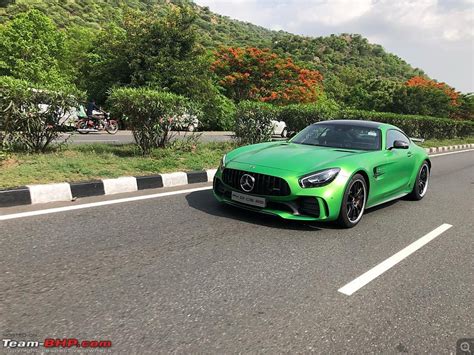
(436, 36)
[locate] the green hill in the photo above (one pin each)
(339, 55)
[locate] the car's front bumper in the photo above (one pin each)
(315, 204)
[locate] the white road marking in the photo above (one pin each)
(385, 265)
(448, 153)
(98, 204)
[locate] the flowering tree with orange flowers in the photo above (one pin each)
(419, 81)
(259, 74)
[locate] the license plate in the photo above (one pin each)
(248, 199)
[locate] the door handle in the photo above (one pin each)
(409, 154)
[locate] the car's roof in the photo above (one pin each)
(359, 123)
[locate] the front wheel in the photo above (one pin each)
(421, 183)
(112, 127)
(353, 202)
(82, 127)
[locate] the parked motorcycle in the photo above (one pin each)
(97, 123)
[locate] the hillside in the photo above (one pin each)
(340, 58)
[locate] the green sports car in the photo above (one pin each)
(330, 171)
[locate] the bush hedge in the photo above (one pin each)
(299, 116)
(416, 126)
(151, 114)
(30, 115)
(253, 122)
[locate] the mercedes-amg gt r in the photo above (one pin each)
(330, 171)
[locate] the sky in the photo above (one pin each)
(434, 35)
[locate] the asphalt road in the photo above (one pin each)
(184, 274)
(125, 137)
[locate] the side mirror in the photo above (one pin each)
(291, 134)
(400, 145)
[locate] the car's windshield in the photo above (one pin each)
(339, 136)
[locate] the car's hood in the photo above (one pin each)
(293, 157)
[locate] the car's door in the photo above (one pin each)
(399, 164)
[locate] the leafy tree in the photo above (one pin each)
(465, 109)
(31, 48)
(163, 53)
(419, 100)
(419, 81)
(158, 51)
(422, 96)
(256, 74)
(78, 43)
(163, 48)
(106, 63)
(371, 94)
(380, 94)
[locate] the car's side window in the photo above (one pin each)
(394, 135)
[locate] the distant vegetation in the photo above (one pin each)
(98, 46)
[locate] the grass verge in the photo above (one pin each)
(431, 143)
(94, 161)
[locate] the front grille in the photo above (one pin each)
(264, 184)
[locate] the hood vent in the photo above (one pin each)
(344, 151)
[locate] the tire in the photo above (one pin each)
(82, 124)
(191, 128)
(284, 133)
(353, 202)
(112, 127)
(421, 183)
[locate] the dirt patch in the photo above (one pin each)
(8, 163)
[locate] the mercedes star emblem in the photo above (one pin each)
(247, 182)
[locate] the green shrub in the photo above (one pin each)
(149, 113)
(416, 126)
(218, 113)
(30, 114)
(253, 122)
(298, 116)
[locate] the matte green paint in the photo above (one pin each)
(390, 173)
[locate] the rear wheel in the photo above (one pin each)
(284, 133)
(353, 202)
(421, 182)
(191, 128)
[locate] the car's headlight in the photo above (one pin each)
(319, 178)
(222, 164)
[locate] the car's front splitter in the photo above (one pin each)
(292, 207)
